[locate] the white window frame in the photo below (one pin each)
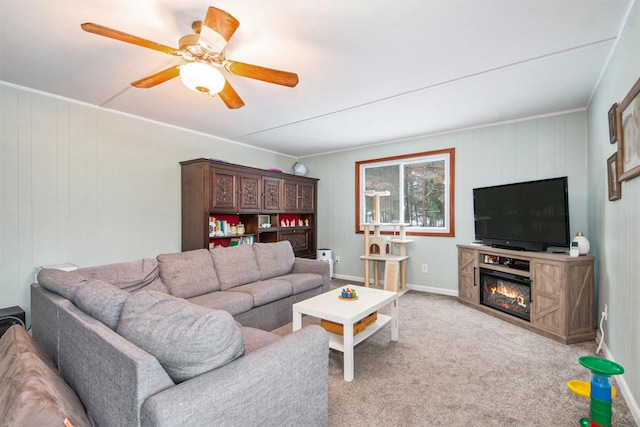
(446, 155)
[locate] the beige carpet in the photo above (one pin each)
(456, 366)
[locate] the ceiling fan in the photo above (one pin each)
(203, 53)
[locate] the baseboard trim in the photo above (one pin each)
(624, 387)
(429, 289)
(345, 277)
(419, 288)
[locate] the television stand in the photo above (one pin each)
(508, 247)
(562, 303)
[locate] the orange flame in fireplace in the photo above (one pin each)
(508, 292)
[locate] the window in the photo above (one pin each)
(421, 189)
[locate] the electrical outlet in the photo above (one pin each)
(605, 313)
(337, 260)
(425, 268)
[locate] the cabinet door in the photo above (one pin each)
(249, 193)
(307, 193)
(290, 195)
(271, 194)
(547, 293)
(301, 240)
(223, 190)
(579, 298)
(468, 288)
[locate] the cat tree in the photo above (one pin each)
(378, 248)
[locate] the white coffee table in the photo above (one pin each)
(329, 307)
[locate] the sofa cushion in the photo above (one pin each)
(64, 283)
(156, 285)
(235, 266)
(188, 274)
(231, 302)
(187, 339)
(32, 392)
(102, 301)
(255, 339)
(265, 291)
(302, 282)
(130, 276)
(274, 259)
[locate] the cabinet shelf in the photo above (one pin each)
(231, 236)
(276, 229)
(498, 267)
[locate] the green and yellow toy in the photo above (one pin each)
(599, 389)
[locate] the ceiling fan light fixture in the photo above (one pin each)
(202, 78)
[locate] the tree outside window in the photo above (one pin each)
(421, 188)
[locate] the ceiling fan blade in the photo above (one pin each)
(268, 75)
(230, 97)
(90, 27)
(221, 22)
(157, 78)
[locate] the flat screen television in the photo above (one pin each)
(528, 216)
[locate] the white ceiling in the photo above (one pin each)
(370, 71)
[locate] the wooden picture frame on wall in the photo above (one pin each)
(614, 121)
(615, 189)
(629, 137)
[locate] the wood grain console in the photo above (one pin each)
(562, 302)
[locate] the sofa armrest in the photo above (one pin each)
(305, 265)
(285, 383)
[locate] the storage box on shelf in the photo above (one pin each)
(358, 327)
(562, 304)
(242, 194)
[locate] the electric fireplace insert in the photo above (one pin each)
(506, 292)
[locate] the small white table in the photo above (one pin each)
(329, 307)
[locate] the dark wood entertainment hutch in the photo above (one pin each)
(562, 305)
(214, 188)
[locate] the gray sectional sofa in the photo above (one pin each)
(182, 339)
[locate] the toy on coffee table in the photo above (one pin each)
(348, 294)
(599, 390)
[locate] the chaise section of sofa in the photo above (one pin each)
(283, 384)
(111, 376)
(154, 376)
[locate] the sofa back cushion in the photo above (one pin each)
(32, 392)
(130, 276)
(101, 300)
(274, 259)
(235, 266)
(188, 274)
(187, 339)
(64, 283)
